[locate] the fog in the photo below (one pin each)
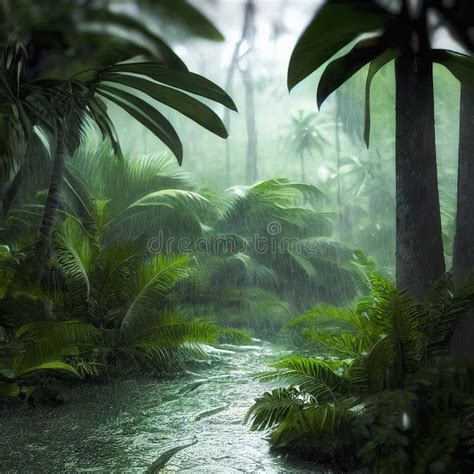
(287, 287)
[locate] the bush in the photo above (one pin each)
(386, 395)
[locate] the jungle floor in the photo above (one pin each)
(132, 423)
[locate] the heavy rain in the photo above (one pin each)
(237, 236)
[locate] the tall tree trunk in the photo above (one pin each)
(419, 246)
(50, 212)
(463, 252)
(249, 35)
(228, 88)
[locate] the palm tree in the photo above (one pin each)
(303, 136)
(36, 101)
(107, 300)
(147, 204)
(403, 35)
(117, 310)
(368, 192)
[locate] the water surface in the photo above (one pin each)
(124, 425)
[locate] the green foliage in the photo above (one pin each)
(233, 336)
(119, 301)
(384, 389)
(337, 24)
(55, 79)
(112, 301)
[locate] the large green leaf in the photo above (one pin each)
(55, 365)
(375, 66)
(107, 17)
(183, 13)
(341, 69)
(99, 113)
(108, 49)
(460, 65)
(147, 116)
(175, 99)
(163, 459)
(334, 26)
(184, 80)
(170, 198)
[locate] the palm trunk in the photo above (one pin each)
(303, 171)
(50, 212)
(419, 246)
(463, 254)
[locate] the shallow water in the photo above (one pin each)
(124, 425)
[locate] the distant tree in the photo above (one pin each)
(303, 136)
(399, 32)
(240, 62)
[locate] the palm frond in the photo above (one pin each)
(74, 258)
(271, 408)
(47, 343)
(147, 294)
(315, 378)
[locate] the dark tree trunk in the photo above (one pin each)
(463, 252)
(419, 247)
(50, 212)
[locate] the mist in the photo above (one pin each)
(236, 236)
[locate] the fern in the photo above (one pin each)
(272, 407)
(74, 257)
(46, 343)
(386, 400)
(154, 280)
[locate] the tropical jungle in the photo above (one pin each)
(237, 236)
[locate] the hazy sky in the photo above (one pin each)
(279, 23)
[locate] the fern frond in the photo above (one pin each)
(146, 295)
(271, 408)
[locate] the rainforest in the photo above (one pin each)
(237, 236)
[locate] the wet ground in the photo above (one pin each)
(125, 425)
